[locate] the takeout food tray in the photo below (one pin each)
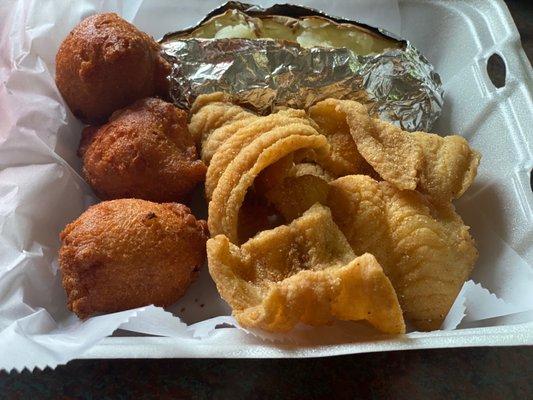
(225, 345)
(494, 120)
(458, 38)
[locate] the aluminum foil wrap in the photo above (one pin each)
(399, 84)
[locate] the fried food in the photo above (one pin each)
(217, 138)
(274, 175)
(289, 159)
(293, 188)
(423, 246)
(144, 151)
(296, 194)
(256, 215)
(272, 144)
(222, 125)
(450, 165)
(104, 64)
(128, 253)
(211, 112)
(303, 272)
(302, 169)
(242, 137)
(344, 158)
(442, 167)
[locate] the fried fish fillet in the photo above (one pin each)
(210, 112)
(216, 122)
(285, 119)
(298, 189)
(274, 143)
(219, 136)
(423, 246)
(272, 178)
(274, 175)
(302, 169)
(344, 159)
(256, 215)
(303, 272)
(404, 217)
(442, 167)
(297, 194)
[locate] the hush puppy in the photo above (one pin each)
(144, 151)
(128, 253)
(106, 63)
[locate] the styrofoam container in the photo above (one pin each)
(457, 37)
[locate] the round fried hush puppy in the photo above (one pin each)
(105, 63)
(128, 253)
(144, 151)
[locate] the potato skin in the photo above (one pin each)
(145, 152)
(105, 63)
(128, 253)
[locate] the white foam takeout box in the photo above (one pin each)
(41, 190)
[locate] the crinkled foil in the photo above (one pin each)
(398, 84)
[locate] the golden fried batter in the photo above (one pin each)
(274, 175)
(219, 136)
(128, 253)
(423, 246)
(442, 167)
(224, 128)
(293, 188)
(270, 146)
(291, 274)
(302, 169)
(344, 158)
(256, 215)
(106, 63)
(211, 112)
(144, 151)
(252, 130)
(302, 272)
(296, 194)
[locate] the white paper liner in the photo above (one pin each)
(156, 321)
(41, 191)
(475, 303)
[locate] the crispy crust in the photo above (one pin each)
(302, 272)
(240, 174)
(441, 167)
(128, 253)
(144, 151)
(423, 246)
(104, 64)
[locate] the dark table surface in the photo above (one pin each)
(485, 373)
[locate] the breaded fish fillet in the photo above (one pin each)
(423, 246)
(302, 272)
(442, 167)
